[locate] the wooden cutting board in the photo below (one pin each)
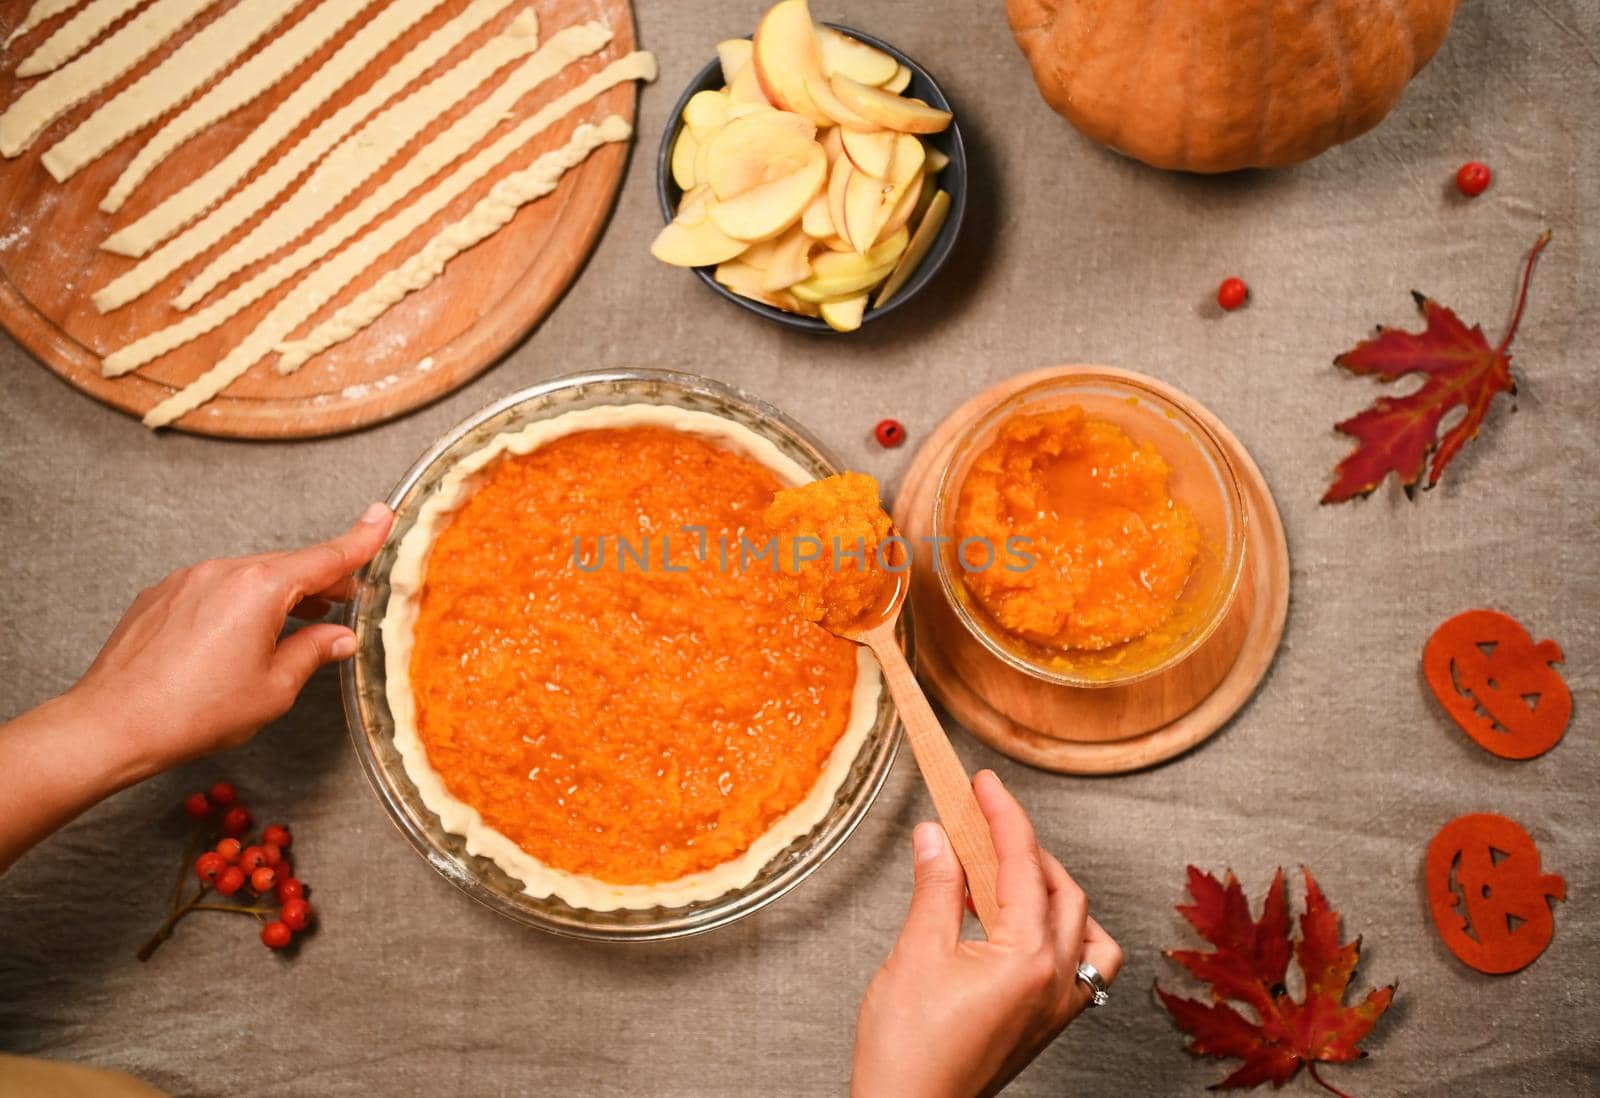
(428, 345)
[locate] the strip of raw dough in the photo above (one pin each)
(466, 131)
(181, 73)
(488, 217)
(76, 81)
(261, 71)
(41, 11)
(360, 156)
(72, 36)
(189, 203)
(322, 285)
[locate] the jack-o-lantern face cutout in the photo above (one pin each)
(1497, 684)
(1488, 895)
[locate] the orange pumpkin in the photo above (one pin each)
(1215, 85)
(1488, 894)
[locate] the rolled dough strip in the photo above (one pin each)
(76, 81)
(485, 219)
(183, 72)
(265, 68)
(466, 131)
(323, 284)
(189, 203)
(41, 11)
(360, 156)
(72, 36)
(317, 290)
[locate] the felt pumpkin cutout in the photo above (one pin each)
(1216, 86)
(1488, 895)
(1497, 684)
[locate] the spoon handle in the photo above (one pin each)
(946, 778)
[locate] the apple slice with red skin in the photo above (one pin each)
(842, 54)
(869, 202)
(785, 54)
(891, 111)
(735, 54)
(872, 153)
(766, 210)
(757, 148)
(691, 239)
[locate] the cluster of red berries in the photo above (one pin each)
(261, 868)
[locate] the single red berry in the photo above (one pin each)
(229, 849)
(278, 836)
(285, 870)
(252, 858)
(296, 914)
(196, 805)
(208, 865)
(224, 795)
(1473, 178)
(262, 880)
(290, 888)
(276, 935)
(889, 432)
(271, 855)
(1232, 293)
(230, 880)
(236, 821)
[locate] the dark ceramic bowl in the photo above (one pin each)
(952, 179)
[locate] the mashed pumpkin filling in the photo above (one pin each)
(829, 537)
(1112, 550)
(643, 710)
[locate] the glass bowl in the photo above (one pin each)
(952, 179)
(1202, 479)
(372, 728)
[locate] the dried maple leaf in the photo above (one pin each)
(1249, 966)
(1397, 434)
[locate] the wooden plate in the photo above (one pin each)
(1094, 731)
(436, 340)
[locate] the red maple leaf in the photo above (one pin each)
(1249, 966)
(1397, 434)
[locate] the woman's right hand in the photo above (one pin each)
(946, 1018)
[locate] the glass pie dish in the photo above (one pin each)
(372, 726)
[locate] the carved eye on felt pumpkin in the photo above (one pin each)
(1497, 684)
(1213, 87)
(1488, 895)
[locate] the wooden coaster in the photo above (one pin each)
(430, 344)
(1094, 731)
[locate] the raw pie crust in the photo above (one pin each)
(406, 581)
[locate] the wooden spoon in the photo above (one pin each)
(947, 779)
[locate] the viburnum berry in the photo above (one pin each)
(262, 880)
(889, 433)
(224, 795)
(278, 836)
(229, 849)
(271, 855)
(1473, 178)
(208, 865)
(236, 821)
(1232, 293)
(290, 888)
(197, 806)
(276, 935)
(252, 858)
(230, 880)
(296, 914)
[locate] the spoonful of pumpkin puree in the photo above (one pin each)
(849, 572)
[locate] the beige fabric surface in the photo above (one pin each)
(1341, 763)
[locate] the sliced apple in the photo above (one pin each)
(785, 52)
(832, 144)
(742, 278)
(766, 210)
(841, 274)
(746, 88)
(817, 221)
(784, 259)
(871, 152)
(844, 315)
(842, 54)
(906, 207)
(735, 53)
(930, 187)
(836, 244)
(838, 185)
(910, 154)
(701, 157)
(821, 93)
(891, 111)
(706, 113)
(937, 161)
(899, 82)
(684, 151)
(758, 148)
(692, 239)
(917, 250)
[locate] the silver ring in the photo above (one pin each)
(1091, 978)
